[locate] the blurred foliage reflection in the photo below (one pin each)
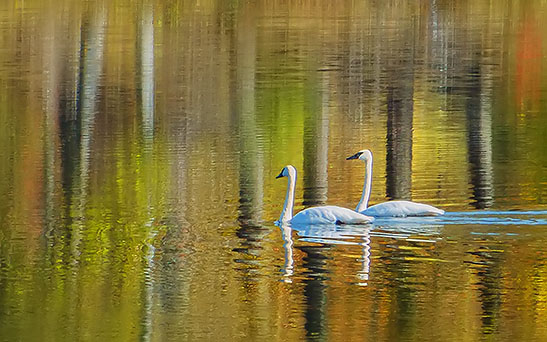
(139, 142)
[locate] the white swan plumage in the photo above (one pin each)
(316, 215)
(390, 208)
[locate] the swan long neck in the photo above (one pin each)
(363, 203)
(286, 213)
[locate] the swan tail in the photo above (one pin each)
(433, 212)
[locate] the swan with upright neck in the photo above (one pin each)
(390, 208)
(316, 215)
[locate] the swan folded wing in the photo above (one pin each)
(402, 209)
(330, 215)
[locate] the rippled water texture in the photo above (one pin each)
(140, 140)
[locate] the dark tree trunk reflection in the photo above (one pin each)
(399, 134)
(251, 165)
(316, 146)
(479, 139)
(314, 292)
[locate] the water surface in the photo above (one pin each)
(139, 144)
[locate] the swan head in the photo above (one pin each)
(363, 155)
(288, 171)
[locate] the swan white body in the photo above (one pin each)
(391, 208)
(402, 209)
(329, 214)
(317, 215)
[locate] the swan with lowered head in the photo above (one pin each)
(390, 208)
(316, 215)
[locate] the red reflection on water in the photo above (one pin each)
(528, 64)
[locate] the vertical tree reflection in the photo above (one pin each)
(58, 94)
(489, 287)
(52, 92)
(77, 126)
(251, 156)
(91, 58)
(251, 169)
(314, 291)
(316, 146)
(173, 271)
(400, 108)
(145, 65)
(315, 193)
(145, 62)
(479, 137)
(399, 278)
(251, 173)
(400, 99)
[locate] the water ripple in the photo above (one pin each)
(524, 218)
(416, 229)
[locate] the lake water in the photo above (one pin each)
(140, 140)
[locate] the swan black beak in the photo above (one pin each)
(355, 156)
(279, 175)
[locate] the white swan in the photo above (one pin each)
(390, 208)
(317, 215)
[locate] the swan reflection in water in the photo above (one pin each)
(288, 267)
(415, 229)
(357, 235)
(327, 235)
